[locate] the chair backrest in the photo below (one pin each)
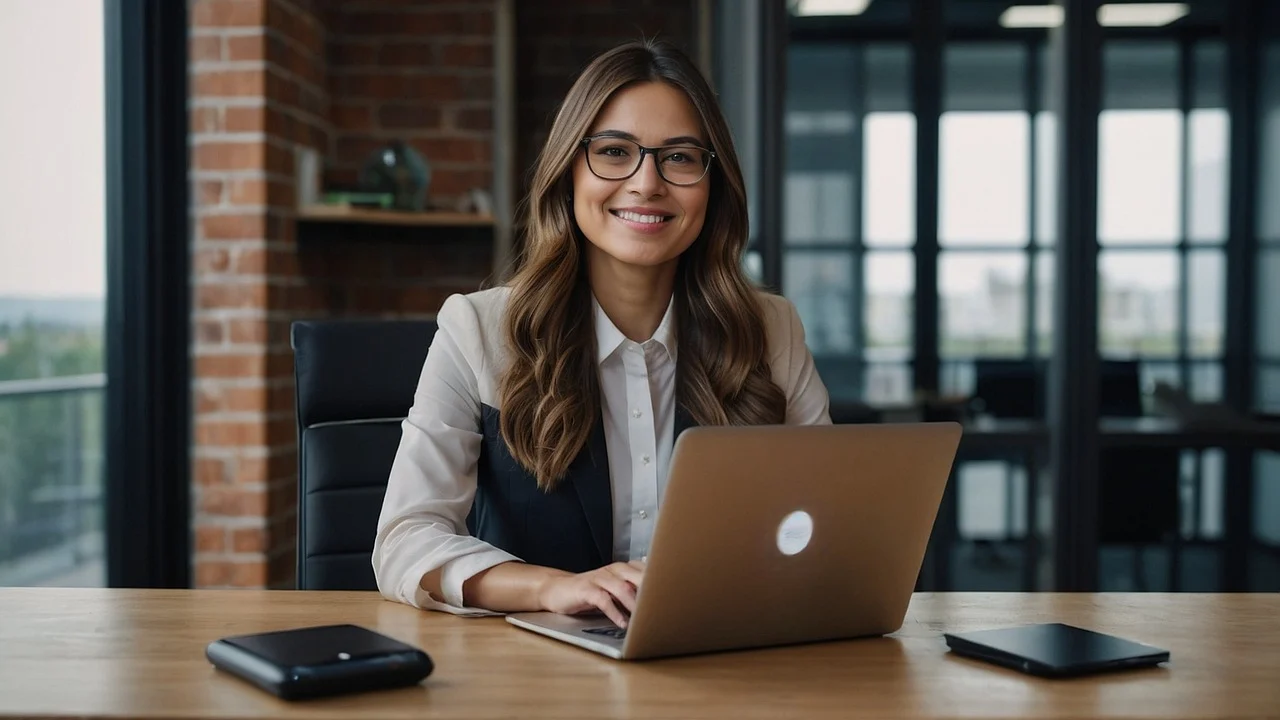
(355, 381)
(1016, 388)
(1010, 388)
(1120, 388)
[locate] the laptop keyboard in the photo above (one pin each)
(612, 631)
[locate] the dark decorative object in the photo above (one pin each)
(399, 170)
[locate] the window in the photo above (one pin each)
(984, 147)
(849, 212)
(1162, 199)
(983, 298)
(1138, 303)
(994, 185)
(52, 293)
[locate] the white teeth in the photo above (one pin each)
(636, 217)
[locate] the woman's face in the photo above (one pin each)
(642, 220)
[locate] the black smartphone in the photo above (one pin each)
(320, 661)
(1055, 650)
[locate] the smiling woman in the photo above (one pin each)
(534, 459)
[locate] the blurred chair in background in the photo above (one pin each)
(1006, 389)
(1009, 388)
(1138, 487)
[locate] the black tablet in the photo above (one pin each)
(320, 661)
(1055, 650)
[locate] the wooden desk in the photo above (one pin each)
(124, 653)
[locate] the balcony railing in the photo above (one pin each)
(51, 469)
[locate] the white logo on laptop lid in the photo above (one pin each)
(795, 532)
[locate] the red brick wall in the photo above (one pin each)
(258, 89)
(342, 77)
(419, 71)
(262, 85)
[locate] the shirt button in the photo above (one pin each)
(644, 459)
(644, 514)
(636, 413)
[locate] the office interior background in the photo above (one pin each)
(1054, 222)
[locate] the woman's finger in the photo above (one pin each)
(620, 589)
(627, 572)
(604, 601)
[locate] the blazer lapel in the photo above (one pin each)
(590, 475)
(684, 421)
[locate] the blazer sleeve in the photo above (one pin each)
(422, 526)
(808, 402)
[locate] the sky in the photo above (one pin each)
(52, 222)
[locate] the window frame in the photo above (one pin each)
(148, 404)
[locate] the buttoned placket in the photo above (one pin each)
(641, 434)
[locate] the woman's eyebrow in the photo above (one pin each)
(678, 140)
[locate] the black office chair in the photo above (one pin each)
(1120, 389)
(1138, 503)
(1009, 388)
(1138, 487)
(355, 381)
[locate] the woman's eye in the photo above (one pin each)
(678, 158)
(614, 151)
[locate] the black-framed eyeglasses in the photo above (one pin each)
(614, 158)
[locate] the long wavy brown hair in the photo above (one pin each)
(550, 392)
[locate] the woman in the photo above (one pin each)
(534, 458)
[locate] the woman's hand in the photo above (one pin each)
(610, 589)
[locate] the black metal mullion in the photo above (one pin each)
(927, 38)
(1031, 95)
(1186, 82)
(1243, 60)
(927, 46)
(1073, 396)
(1136, 247)
(858, 253)
(1186, 78)
(773, 52)
(148, 388)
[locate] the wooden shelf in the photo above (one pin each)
(373, 216)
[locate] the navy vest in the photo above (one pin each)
(570, 527)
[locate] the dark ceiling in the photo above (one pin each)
(985, 15)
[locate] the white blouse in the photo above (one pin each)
(422, 526)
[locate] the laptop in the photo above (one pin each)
(779, 535)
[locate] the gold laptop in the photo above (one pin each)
(774, 535)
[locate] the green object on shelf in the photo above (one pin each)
(384, 201)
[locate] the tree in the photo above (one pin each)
(37, 448)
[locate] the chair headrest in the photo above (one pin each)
(357, 369)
